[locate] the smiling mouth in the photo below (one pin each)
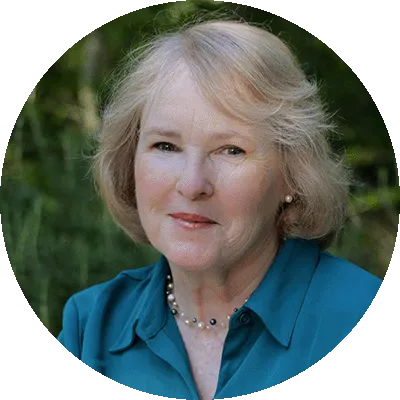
(195, 218)
(194, 222)
(193, 225)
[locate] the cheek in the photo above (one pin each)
(150, 181)
(251, 190)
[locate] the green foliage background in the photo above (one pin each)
(58, 235)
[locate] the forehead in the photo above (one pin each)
(179, 105)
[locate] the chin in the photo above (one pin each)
(190, 258)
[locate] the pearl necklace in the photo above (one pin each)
(193, 321)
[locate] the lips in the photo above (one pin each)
(193, 218)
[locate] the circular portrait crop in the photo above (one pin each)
(200, 200)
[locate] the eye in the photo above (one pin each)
(165, 147)
(233, 150)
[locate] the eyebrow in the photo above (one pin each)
(176, 135)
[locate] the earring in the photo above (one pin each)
(288, 198)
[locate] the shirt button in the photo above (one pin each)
(244, 319)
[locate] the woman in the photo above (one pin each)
(214, 150)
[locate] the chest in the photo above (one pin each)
(205, 354)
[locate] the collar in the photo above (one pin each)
(150, 312)
(280, 295)
(277, 300)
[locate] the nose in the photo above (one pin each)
(194, 181)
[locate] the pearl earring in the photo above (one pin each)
(288, 198)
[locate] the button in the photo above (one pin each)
(244, 319)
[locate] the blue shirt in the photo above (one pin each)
(305, 305)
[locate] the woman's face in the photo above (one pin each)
(192, 161)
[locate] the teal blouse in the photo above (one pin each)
(305, 305)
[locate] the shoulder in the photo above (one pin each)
(344, 277)
(339, 284)
(341, 288)
(338, 296)
(115, 290)
(102, 307)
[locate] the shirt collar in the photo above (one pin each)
(151, 310)
(277, 300)
(280, 295)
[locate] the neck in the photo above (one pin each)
(216, 291)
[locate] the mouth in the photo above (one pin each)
(193, 225)
(193, 218)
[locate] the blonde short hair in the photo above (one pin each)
(271, 93)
